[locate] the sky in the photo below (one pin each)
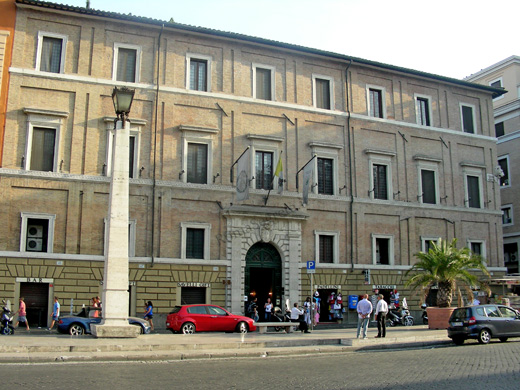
(453, 38)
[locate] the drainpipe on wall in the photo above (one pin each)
(350, 172)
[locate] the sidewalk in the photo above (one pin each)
(43, 346)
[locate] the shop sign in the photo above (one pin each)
(384, 287)
(327, 287)
(192, 284)
(34, 280)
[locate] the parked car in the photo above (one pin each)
(80, 323)
(483, 322)
(207, 318)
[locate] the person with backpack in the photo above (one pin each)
(252, 310)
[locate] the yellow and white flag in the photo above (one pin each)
(279, 174)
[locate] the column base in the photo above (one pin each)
(108, 331)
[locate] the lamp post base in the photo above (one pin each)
(115, 331)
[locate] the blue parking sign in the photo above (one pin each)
(311, 267)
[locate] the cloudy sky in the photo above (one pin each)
(453, 38)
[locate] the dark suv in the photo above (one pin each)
(483, 322)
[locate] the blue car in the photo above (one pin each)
(80, 323)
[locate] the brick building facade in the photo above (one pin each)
(402, 159)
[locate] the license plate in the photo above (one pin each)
(456, 324)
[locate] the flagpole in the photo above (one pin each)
(235, 163)
(313, 157)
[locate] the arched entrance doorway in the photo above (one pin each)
(263, 275)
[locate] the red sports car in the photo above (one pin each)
(189, 319)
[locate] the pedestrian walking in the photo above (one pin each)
(55, 312)
(381, 312)
(307, 306)
(148, 315)
(364, 308)
(22, 315)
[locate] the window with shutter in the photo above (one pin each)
(51, 55)
(468, 124)
(423, 111)
(428, 186)
(263, 84)
(499, 129)
(376, 103)
(473, 191)
(380, 187)
(194, 243)
(325, 176)
(504, 165)
(326, 248)
(126, 64)
(322, 93)
(197, 164)
(198, 75)
(42, 150)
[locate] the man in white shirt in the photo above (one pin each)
(295, 317)
(381, 312)
(364, 308)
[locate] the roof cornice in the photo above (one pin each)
(54, 7)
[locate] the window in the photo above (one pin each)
(197, 154)
(499, 129)
(428, 187)
(379, 176)
(473, 190)
(477, 247)
(503, 162)
(427, 243)
(127, 60)
(498, 83)
(131, 236)
(322, 92)
(133, 147)
(43, 149)
(197, 168)
(467, 113)
(37, 232)
(326, 247)
(50, 56)
(263, 82)
(194, 243)
(198, 72)
(195, 240)
(43, 136)
(423, 110)
(511, 257)
(507, 214)
(264, 170)
(382, 249)
(325, 176)
(376, 106)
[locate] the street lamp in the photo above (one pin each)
(115, 277)
(122, 99)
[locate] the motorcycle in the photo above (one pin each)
(399, 317)
(424, 314)
(6, 320)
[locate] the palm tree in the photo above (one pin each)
(447, 267)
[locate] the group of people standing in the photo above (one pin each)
(252, 310)
(365, 308)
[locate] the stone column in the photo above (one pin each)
(115, 283)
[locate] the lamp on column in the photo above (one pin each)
(115, 277)
(122, 99)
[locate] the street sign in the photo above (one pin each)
(311, 267)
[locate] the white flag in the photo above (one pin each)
(243, 167)
(307, 179)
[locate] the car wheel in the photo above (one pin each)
(458, 340)
(484, 336)
(188, 328)
(242, 327)
(503, 339)
(141, 330)
(76, 330)
(408, 321)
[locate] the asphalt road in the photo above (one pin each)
(472, 366)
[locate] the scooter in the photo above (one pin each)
(6, 321)
(279, 316)
(424, 314)
(402, 317)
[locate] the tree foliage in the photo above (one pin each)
(448, 268)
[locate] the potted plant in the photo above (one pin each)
(449, 269)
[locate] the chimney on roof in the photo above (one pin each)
(88, 4)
